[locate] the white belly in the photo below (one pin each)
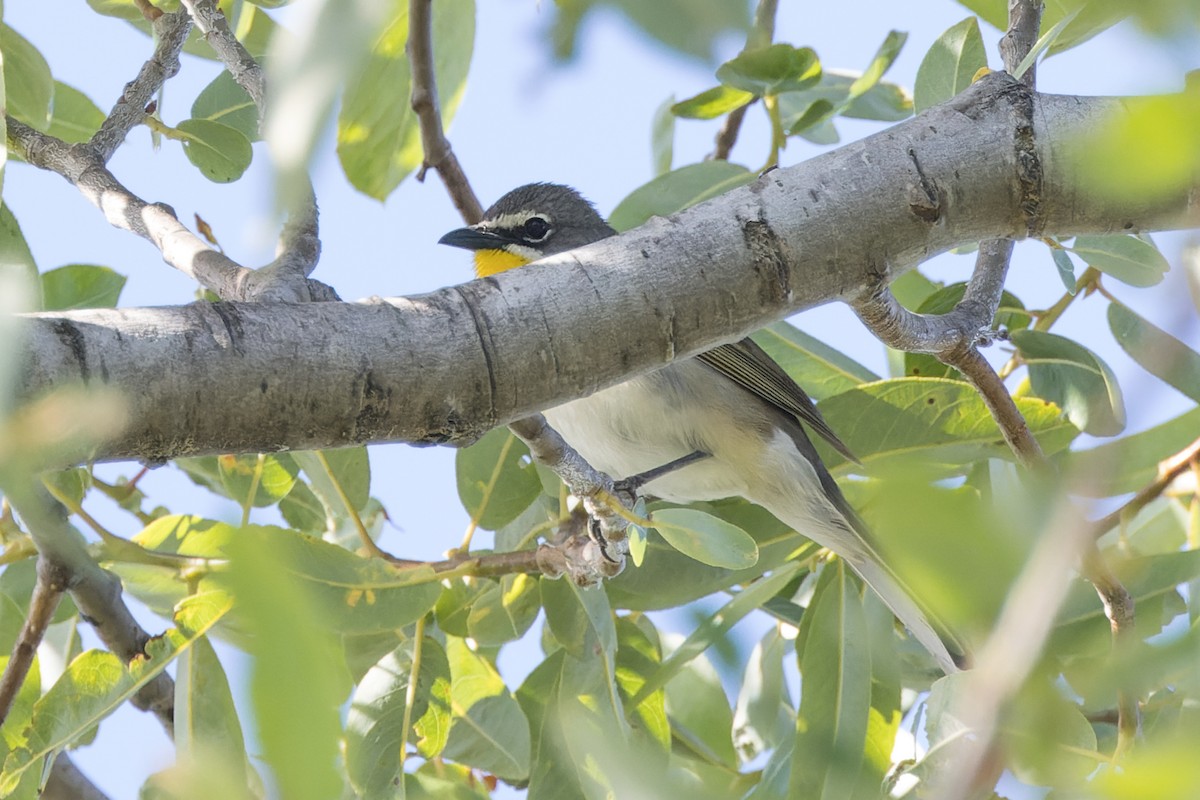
(652, 420)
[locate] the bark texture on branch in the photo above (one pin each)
(449, 365)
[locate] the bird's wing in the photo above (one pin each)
(749, 366)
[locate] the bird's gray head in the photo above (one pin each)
(528, 223)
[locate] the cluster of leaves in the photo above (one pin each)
(374, 681)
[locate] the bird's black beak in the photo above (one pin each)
(473, 239)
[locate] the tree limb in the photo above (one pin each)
(242, 66)
(445, 367)
(171, 31)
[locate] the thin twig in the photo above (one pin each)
(1024, 24)
(171, 31)
(47, 592)
(976, 369)
(286, 278)
(154, 222)
(425, 104)
(727, 136)
(1168, 470)
(761, 34)
(244, 69)
(96, 592)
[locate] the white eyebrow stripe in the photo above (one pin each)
(511, 221)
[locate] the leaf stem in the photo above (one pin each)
(255, 480)
(368, 543)
(410, 692)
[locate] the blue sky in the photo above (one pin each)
(523, 118)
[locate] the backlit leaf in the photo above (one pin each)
(950, 65)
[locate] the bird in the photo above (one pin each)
(732, 404)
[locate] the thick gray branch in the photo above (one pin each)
(447, 366)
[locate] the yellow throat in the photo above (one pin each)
(492, 262)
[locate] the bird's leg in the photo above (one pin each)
(629, 488)
(634, 483)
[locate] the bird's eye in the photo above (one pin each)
(535, 229)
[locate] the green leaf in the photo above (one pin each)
(224, 101)
(296, 681)
(835, 693)
(885, 102)
(563, 691)
(375, 721)
(206, 720)
(580, 619)
(772, 69)
(669, 578)
(220, 152)
(708, 539)
(811, 120)
(637, 543)
(275, 481)
(74, 117)
(496, 479)
(16, 722)
(378, 138)
(691, 27)
(638, 656)
(357, 595)
(950, 65)
(935, 420)
(81, 286)
(97, 683)
(1147, 153)
(764, 704)
(1127, 258)
(884, 720)
(454, 605)
(303, 510)
(1070, 375)
(1131, 462)
(662, 137)
(1065, 267)
(489, 731)
(504, 611)
(28, 86)
(699, 710)
(881, 63)
(1157, 351)
(349, 472)
(1091, 20)
(717, 624)
(1052, 743)
(712, 103)
(17, 267)
(252, 27)
(676, 190)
